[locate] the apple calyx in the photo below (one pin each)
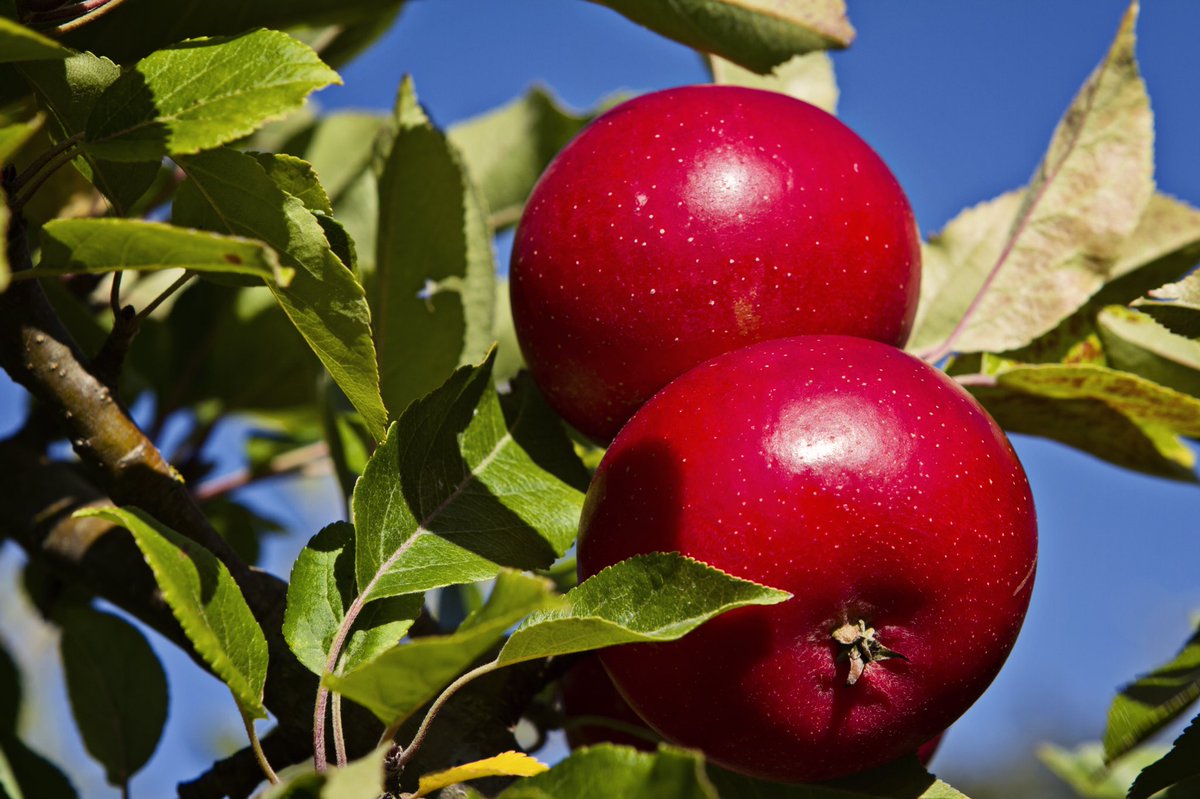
(862, 648)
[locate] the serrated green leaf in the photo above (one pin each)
(320, 591)
(1136, 343)
(1151, 702)
(201, 94)
(296, 177)
(1179, 767)
(206, 601)
(18, 43)
(507, 149)
(1086, 198)
(340, 146)
(68, 89)
(399, 682)
(808, 77)
(1176, 306)
(1083, 768)
(655, 597)
(118, 690)
(230, 192)
(137, 27)
(433, 288)
(612, 771)
(757, 34)
(13, 137)
(452, 495)
(95, 246)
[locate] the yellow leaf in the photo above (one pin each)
(506, 764)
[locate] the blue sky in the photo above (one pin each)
(960, 99)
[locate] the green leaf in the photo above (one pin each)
(360, 779)
(137, 27)
(202, 94)
(95, 246)
(1133, 396)
(118, 690)
(757, 34)
(13, 137)
(808, 77)
(340, 146)
(403, 679)
(1164, 247)
(1148, 704)
(296, 177)
(1086, 198)
(507, 149)
(453, 494)
(1176, 306)
(230, 192)
(206, 601)
(509, 360)
(1091, 426)
(1134, 342)
(68, 89)
(608, 770)
(905, 778)
(433, 286)
(1084, 769)
(319, 593)
(1179, 767)
(655, 597)
(18, 43)
(9, 789)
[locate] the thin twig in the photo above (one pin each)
(167, 292)
(93, 10)
(296, 460)
(114, 294)
(975, 380)
(19, 201)
(339, 738)
(419, 738)
(46, 157)
(256, 745)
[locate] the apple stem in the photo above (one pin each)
(862, 648)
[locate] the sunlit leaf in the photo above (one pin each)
(807, 77)
(206, 601)
(505, 764)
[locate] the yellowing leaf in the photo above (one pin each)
(507, 764)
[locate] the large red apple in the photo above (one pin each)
(867, 484)
(693, 221)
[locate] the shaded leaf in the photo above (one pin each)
(808, 77)
(505, 764)
(95, 246)
(905, 778)
(452, 495)
(655, 597)
(320, 591)
(1083, 768)
(118, 690)
(433, 288)
(29, 774)
(13, 137)
(608, 770)
(340, 146)
(1176, 306)
(1151, 702)
(230, 192)
(68, 89)
(1085, 199)
(360, 779)
(402, 680)
(340, 43)
(18, 43)
(757, 34)
(1180, 766)
(202, 94)
(296, 177)
(507, 149)
(1164, 247)
(206, 601)
(1134, 342)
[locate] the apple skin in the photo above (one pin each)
(870, 486)
(587, 691)
(693, 221)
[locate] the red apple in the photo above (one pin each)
(870, 486)
(587, 692)
(690, 222)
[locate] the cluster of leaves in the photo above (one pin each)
(330, 280)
